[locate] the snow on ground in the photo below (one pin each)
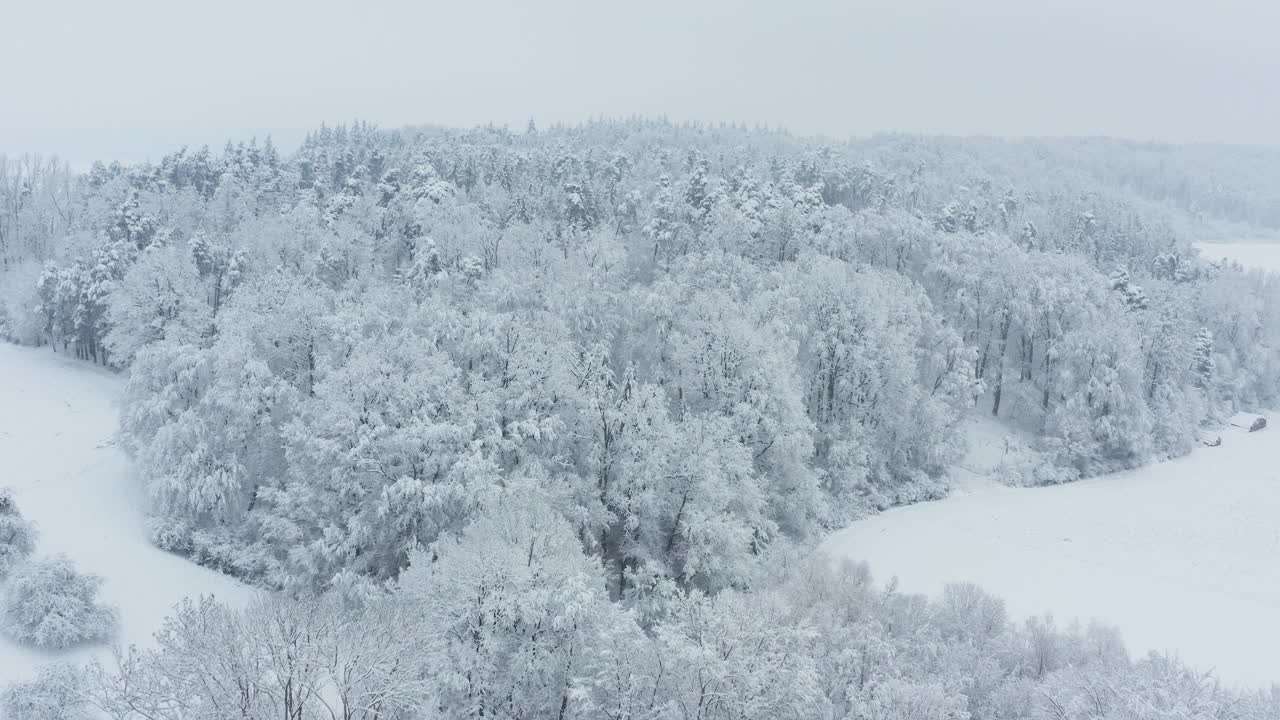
(990, 442)
(57, 451)
(1182, 556)
(1252, 255)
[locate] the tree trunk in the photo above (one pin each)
(1028, 358)
(1004, 345)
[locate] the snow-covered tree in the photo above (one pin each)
(380, 463)
(53, 694)
(17, 535)
(1203, 363)
(509, 612)
(157, 299)
(50, 604)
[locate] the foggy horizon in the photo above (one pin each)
(136, 82)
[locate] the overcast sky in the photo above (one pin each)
(133, 79)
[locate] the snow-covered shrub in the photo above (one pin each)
(51, 695)
(1157, 686)
(1027, 467)
(280, 656)
(968, 613)
(17, 536)
(897, 699)
(50, 604)
(171, 535)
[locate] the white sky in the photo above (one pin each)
(133, 79)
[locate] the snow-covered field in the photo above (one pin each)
(1253, 255)
(57, 451)
(1182, 556)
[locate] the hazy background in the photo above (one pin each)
(134, 79)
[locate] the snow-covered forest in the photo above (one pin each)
(548, 423)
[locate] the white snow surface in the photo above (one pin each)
(58, 419)
(989, 443)
(1182, 556)
(1252, 255)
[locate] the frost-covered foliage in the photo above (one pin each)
(159, 298)
(699, 340)
(17, 535)
(49, 604)
(19, 321)
(329, 657)
(54, 694)
(508, 613)
(511, 619)
(1027, 467)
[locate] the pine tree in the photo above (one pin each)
(1203, 364)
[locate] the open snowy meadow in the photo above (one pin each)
(1182, 556)
(58, 420)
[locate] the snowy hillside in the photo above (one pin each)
(57, 422)
(1181, 556)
